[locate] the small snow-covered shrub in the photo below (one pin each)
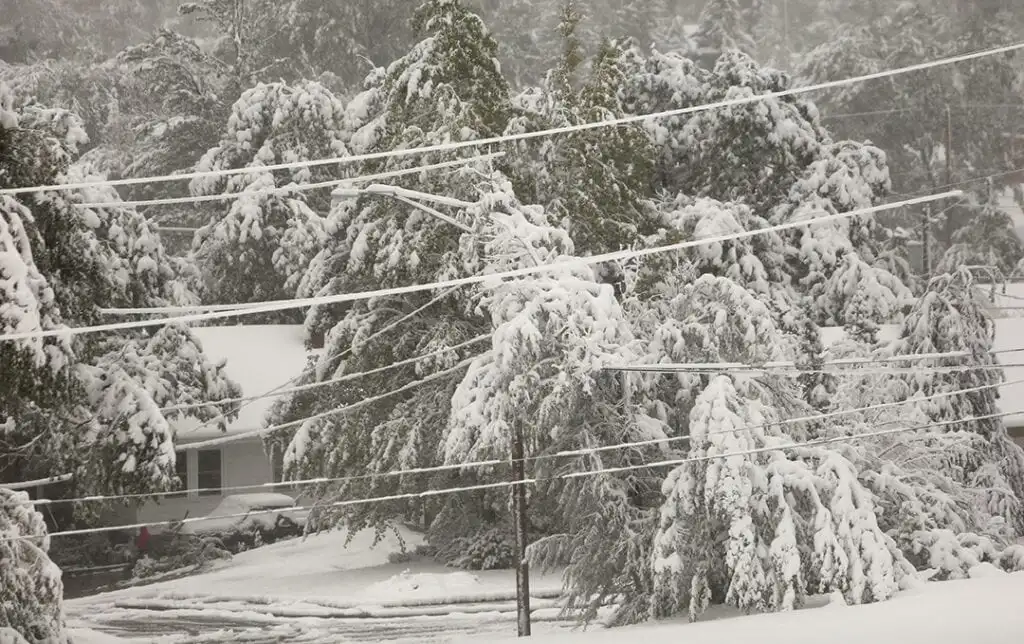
(491, 549)
(180, 552)
(400, 557)
(1012, 559)
(91, 550)
(10, 636)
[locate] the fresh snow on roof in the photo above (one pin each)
(259, 359)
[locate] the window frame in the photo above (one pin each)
(203, 484)
(181, 470)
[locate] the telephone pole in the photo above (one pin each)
(415, 199)
(519, 512)
(926, 241)
(949, 145)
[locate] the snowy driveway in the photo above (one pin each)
(202, 622)
(321, 589)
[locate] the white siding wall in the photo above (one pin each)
(242, 463)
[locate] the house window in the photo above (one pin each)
(181, 471)
(277, 463)
(209, 472)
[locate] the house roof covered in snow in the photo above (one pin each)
(1009, 337)
(260, 359)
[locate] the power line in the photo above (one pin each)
(855, 372)
(524, 136)
(316, 385)
(214, 442)
(964, 182)
(901, 110)
(656, 368)
(389, 327)
(27, 485)
(811, 443)
(913, 357)
(230, 196)
(176, 229)
(574, 262)
(567, 453)
(532, 481)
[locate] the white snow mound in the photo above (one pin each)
(409, 584)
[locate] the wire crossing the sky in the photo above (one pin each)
(525, 136)
(531, 481)
(486, 279)
(562, 454)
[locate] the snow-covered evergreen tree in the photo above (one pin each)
(31, 591)
(949, 318)
(89, 405)
(260, 244)
(757, 530)
(449, 87)
(598, 183)
(346, 40)
(957, 108)
(726, 25)
(986, 239)
(245, 28)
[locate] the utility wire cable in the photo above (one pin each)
(486, 279)
(730, 367)
(530, 481)
(288, 189)
(844, 372)
(698, 369)
(334, 381)
(27, 485)
(781, 448)
(280, 388)
(259, 433)
(912, 357)
(329, 361)
(562, 454)
(524, 136)
(851, 371)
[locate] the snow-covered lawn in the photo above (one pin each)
(982, 610)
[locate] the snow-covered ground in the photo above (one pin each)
(982, 610)
(319, 587)
(322, 591)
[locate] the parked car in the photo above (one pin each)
(243, 521)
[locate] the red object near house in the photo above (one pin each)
(142, 541)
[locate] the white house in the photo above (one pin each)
(260, 359)
(1009, 338)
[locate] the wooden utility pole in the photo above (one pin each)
(519, 512)
(785, 31)
(949, 145)
(949, 173)
(926, 241)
